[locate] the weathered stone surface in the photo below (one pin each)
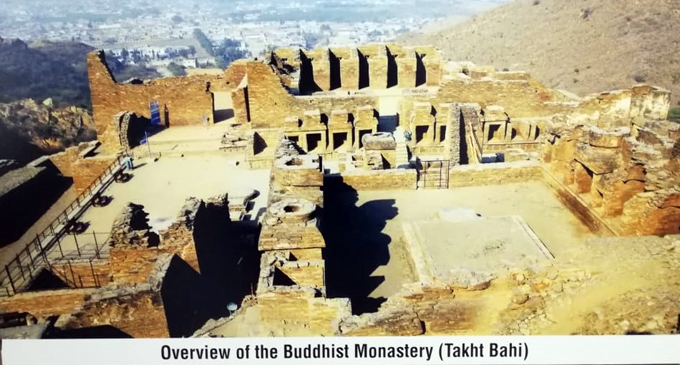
(469, 280)
(607, 138)
(379, 141)
(596, 159)
(131, 228)
(492, 174)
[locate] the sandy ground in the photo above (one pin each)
(561, 232)
(163, 186)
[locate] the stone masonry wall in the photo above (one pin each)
(84, 274)
(416, 310)
(138, 313)
(494, 174)
(45, 303)
(83, 171)
(394, 179)
(626, 175)
(299, 307)
(188, 98)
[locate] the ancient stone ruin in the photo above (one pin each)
(384, 192)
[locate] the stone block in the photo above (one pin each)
(608, 139)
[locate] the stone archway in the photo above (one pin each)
(130, 129)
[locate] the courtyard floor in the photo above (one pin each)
(559, 230)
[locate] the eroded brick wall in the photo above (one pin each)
(494, 174)
(187, 98)
(431, 310)
(301, 308)
(83, 274)
(140, 314)
(45, 303)
(626, 175)
(83, 171)
(395, 179)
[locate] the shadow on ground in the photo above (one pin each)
(229, 267)
(355, 244)
(23, 205)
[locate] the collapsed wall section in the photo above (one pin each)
(625, 175)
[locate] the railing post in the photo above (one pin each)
(72, 274)
(96, 245)
(21, 269)
(30, 270)
(30, 257)
(77, 247)
(94, 276)
(11, 282)
(60, 250)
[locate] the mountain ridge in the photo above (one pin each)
(582, 46)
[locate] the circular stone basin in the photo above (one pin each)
(293, 210)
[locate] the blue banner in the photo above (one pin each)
(155, 110)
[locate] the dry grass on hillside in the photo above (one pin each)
(583, 46)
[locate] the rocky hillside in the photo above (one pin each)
(44, 70)
(29, 129)
(583, 46)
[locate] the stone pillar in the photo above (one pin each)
(321, 65)
(349, 71)
(377, 69)
(453, 132)
(433, 65)
(406, 66)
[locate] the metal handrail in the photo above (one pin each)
(14, 274)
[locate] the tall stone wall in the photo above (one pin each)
(187, 99)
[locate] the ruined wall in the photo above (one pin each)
(133, 265)
(187, 98)
(494, 174)
(83, 170)
(626, 175)
(359, 179)
(83, 274)
(305, 273)
(299, 307)
(416, 310)
(270, 104)
(137, 312)
(135, 249)
(45, 303)
(520, 99)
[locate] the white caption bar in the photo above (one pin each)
(567, 350)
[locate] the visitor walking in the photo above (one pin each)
(129, 164)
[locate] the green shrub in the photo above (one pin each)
(674, 114)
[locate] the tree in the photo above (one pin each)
(204, 41)
(176, 69)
